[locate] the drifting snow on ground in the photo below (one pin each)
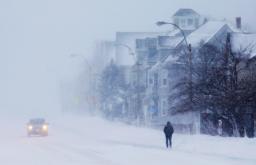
(92, 141)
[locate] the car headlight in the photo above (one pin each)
(30, 127)
(45, 127)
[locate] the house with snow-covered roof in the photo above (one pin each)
(212, 32)
(165, 73)
(243, 45)
(158, 67)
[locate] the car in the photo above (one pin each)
(37, 126)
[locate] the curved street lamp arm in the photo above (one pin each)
(129, 49)
(160, 23)
(83, 58)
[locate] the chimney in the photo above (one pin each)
(238, 23)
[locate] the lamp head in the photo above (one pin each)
(160, 23)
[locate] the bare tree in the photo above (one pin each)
(222, 84)
(113, 89)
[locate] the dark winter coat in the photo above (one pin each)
(168, 130)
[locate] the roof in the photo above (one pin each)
(246, 43)
(156, 66)
(169, 59)
(37, 121)
(169, 41)
(205, 33)
(174, 32)
(185, 12)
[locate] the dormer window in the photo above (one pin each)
(182, 23)
(187, 19)
(190, 22)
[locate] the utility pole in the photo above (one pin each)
(89, 93)
(190, 75)
(138, 88)
(135, 108)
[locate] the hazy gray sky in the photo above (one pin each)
(36, 36)
(74, 22)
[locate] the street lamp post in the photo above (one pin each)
(137, 88)
(189, 49)
(91, 97)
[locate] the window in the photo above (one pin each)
(156, 79)
(182, 22)
(190, 22)
(164, 112)
(152, 52)
(150, 81)
(164, 81)
(140, 43)
(151, 42)
(164, 40)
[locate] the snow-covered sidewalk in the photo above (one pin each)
(92, 141)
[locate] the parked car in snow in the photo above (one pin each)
(37, 126)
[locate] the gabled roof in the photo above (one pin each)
(245, 43)
(206, 32)
(174, 32)
(185, 12)
(169, 41)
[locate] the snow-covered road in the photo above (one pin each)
(92, 141)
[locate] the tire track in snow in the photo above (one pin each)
(199, 154)
(85, 153)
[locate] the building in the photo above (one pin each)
(155, 71)
(125, 43)
(122, 52)
(243, 46)
(158, 57)
(188, 19)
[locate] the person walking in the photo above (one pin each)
(168, 131)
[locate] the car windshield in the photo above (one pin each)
(37, 121)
